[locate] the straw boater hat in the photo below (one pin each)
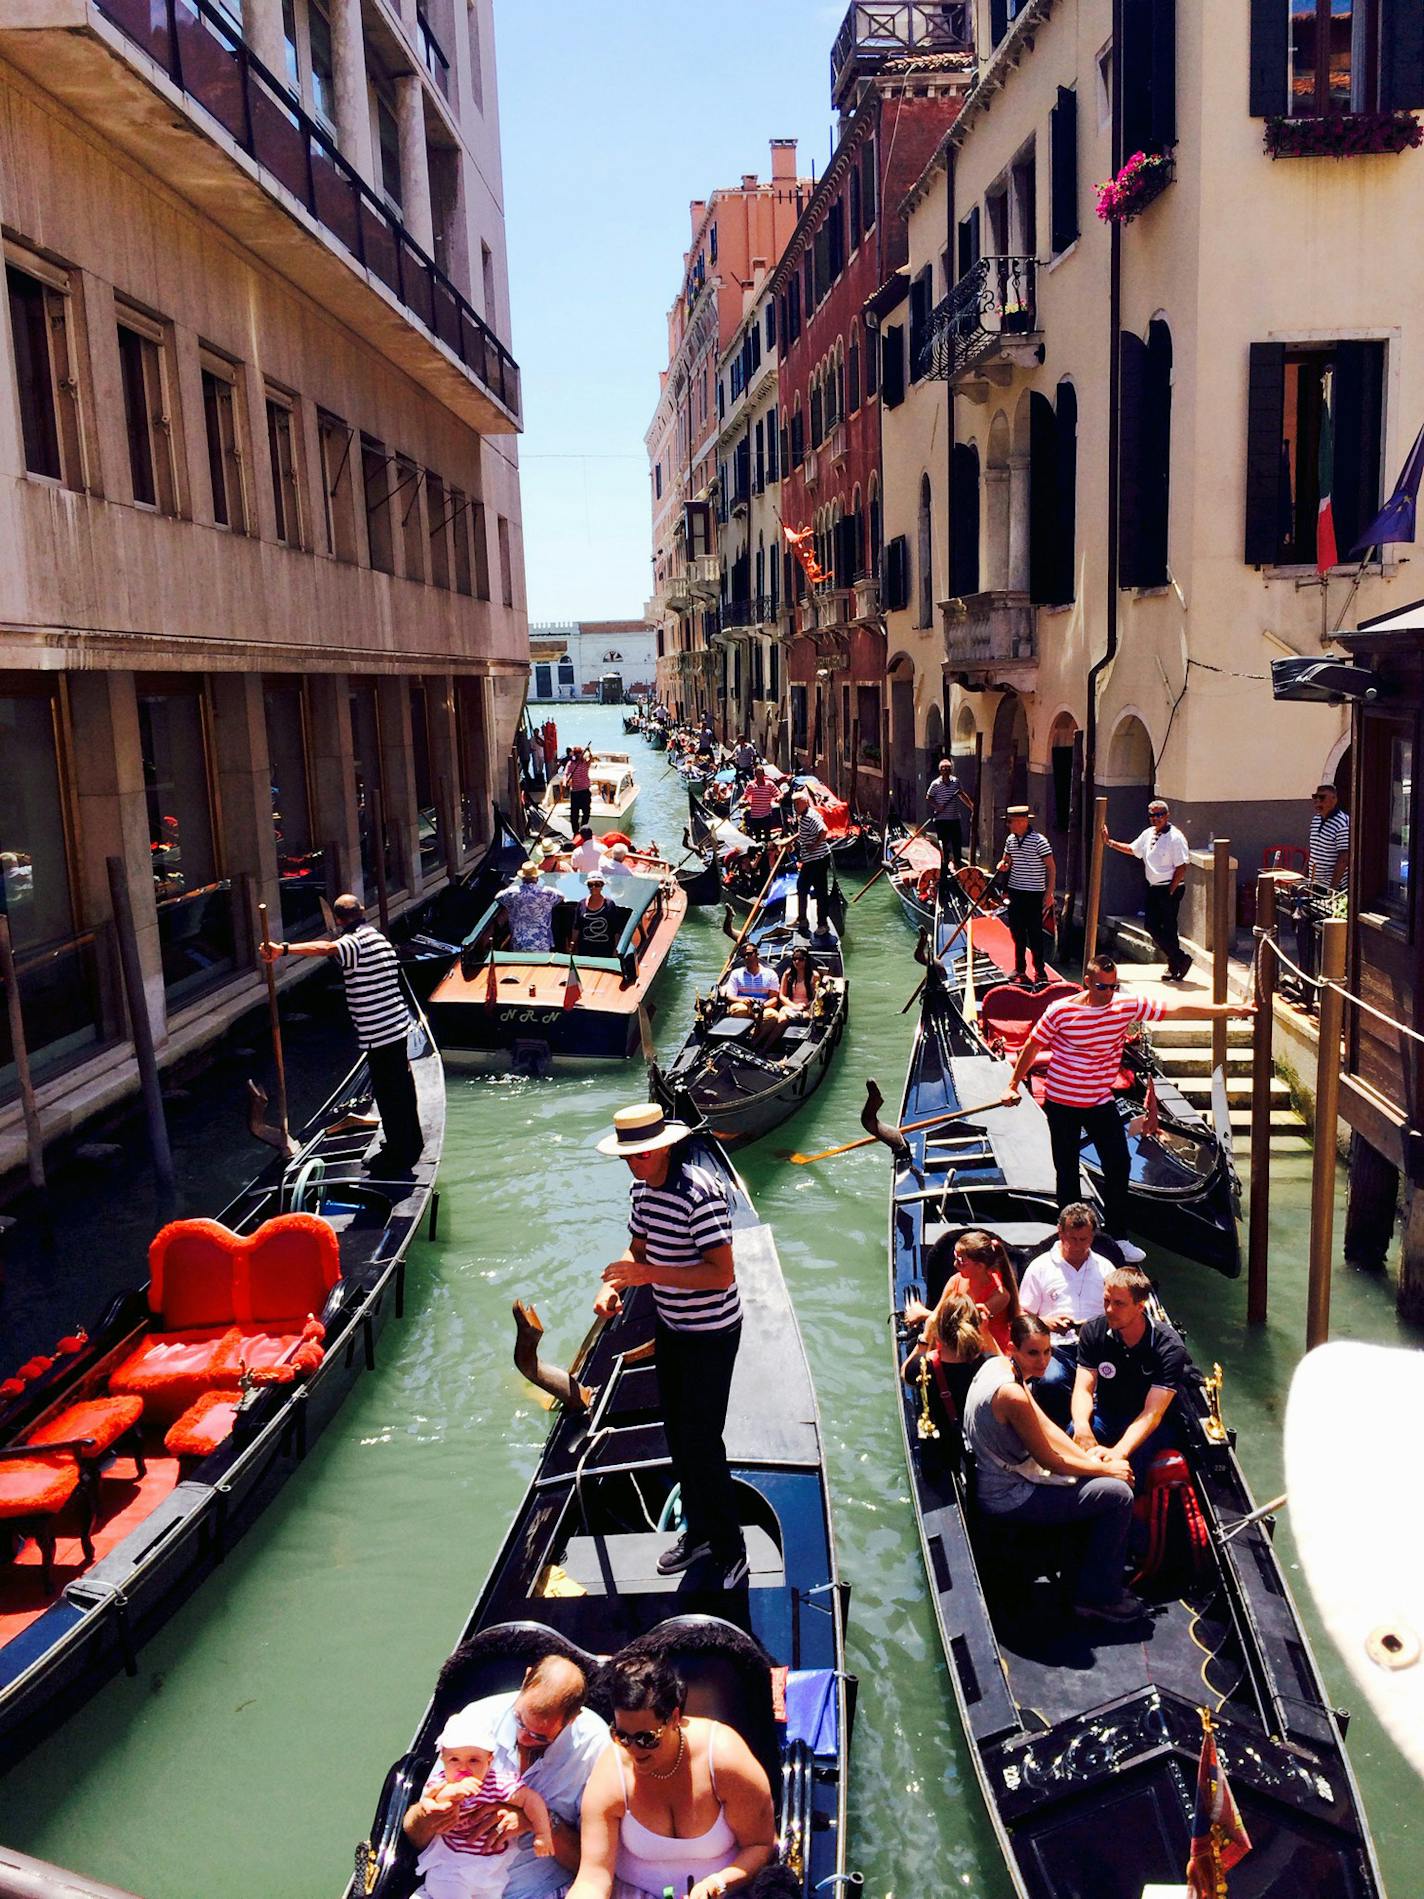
(1020, 811)
(639, 1130)
(529, 869)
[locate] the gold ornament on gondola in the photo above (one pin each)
(925, 1425)
(1212, 1424)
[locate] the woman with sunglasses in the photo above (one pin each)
(675, 1798)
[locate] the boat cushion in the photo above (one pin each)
(105, 1420)
(288, 1267)
(259, 1351)
(168, 1370)
(190, 1274)
(37, 1486)
(206, 1423)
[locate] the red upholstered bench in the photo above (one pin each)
(203, 1426)
(33, 1491)
(168, 1370)
(104, 1424)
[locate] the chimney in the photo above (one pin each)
(697, 208)
(783, 160)
(749, 181)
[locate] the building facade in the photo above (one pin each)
(580, 659)
(1135, 403)
(262, 618)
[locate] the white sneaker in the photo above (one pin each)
(1131, 1255)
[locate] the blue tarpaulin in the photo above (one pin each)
(812, 1713)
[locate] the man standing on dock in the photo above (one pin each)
(381, 1019)
(1165, 856)
(1085, 1036)
(681, 1245)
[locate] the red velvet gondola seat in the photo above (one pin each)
(206, 1423)
(33, 1491)
(105, 1422)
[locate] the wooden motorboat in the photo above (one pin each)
(612, 789)
(743, 1093)
(496, 1006)
(427, 937)
(1184, 1191)
(1085, 1737)
(577, 1572)
(193, 1398)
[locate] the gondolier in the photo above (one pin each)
(381, 1019)
(576, 778)
(813, 854)
(681, 1245)
(1085, 1036)
(944, 800)
(762, 799)
(1028, 865)
(1164, 855)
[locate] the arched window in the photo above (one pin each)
(925, 556)
(818, 411)
(1066, 575)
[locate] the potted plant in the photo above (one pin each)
(1343, 135)
(1144, 177)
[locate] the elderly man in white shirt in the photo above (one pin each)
(1064, 1288)
(1164, 854)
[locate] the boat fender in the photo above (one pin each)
(610, 838)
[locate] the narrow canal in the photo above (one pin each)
(246, 1756)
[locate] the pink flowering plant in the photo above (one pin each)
(1144, 175)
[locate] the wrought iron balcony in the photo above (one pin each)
(738, 614)
(991, 313)
(989, 632)
(872, 35)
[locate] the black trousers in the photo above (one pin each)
(1164, 906)
(1103, 1126)
(694, 1382)
(813, 877)
(580, 808)
(1026, 928)
(760, 827)
(394, 1088)
(950, 833)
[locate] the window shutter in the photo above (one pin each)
(1063, 141)
(1132, 396)
(1265, 417)
(1042, 500)
(897, 575)
(1156, 491)
(1065, 580)
(892, 376)
(867, 182)
(1164, 74)
(1359, 399)
(964, 520)
(1135, 76)
(1401, 54)
(998, 20)
(1270, 57)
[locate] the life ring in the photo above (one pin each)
(926, 885)
(615, 837)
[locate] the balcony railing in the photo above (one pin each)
(872, 34)
(206, 57)
(738, 613)
(704, 575)
(992, 306)
(989, 630)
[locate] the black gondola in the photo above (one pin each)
(1183, 1192)
(743, 1093)
(744, 872)
(158, 1531)
(1085, 1738)
(576, 1574)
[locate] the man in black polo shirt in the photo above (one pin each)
(1130, 1369)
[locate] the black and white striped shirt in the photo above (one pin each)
(812, 839)
(1329, 841)
(1028, 859)
(678, 1223)
(371, 973)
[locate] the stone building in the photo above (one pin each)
(262, 622)
(580, 659)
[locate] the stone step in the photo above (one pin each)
(1197, 1089)
(1197, 1034)
(1197, 1061)
(1283, 1121)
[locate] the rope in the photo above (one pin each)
(1263, 939)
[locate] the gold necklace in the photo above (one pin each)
(666, 1773)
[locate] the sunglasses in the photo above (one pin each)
(1107, 986)
(644, 1739)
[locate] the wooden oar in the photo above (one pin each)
(910, 1127)
(279, 1061)
(755, 910)
(898, 851)
(963, 926)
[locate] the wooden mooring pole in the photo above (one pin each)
(378, 856)
(978, 797)
(34, 1135)
(1221, 933)
(1327, 1112)
(1258, 1243)
(139, 1025)
(1095, 884)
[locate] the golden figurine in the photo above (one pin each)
(925, 1425)
(1212, 1424)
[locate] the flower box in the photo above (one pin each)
(1145, 176)
(1343, 135)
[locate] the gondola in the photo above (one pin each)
(197, 1393)
(743, 1093)
(613, 790)
(1184, 1193)
(576, 1572)
(912, 866)
(1085, 1737)
(428, 936)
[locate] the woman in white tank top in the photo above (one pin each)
(675, 1798)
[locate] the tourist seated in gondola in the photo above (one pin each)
(956, 1343)
(614, 862)
(587, 852)
(800, 985)
(466, 1862)
(1029, 1472)
(753, 990)
(546, 1739)
(977, 1265)
(598, 924)
(678, 1803)
(1064, 1287)
(1130, 1370)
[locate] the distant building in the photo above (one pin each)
(571, 659)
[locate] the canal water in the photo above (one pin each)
(246, 1756)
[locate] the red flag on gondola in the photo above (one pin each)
(492, 985)
(1219, 1840)
(573, 988)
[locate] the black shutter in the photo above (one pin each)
(896, 582)
(1042, 500)
(1134, 75)
(1270, 57)
(892, 376)
(1063, 155)
(1164, 74)
(998, 20)
(1156, 490)
(1359, 402)
(1265, 421)
(1132, 399)
(1066, 575)
(867, 182)
(1401, 54)
(964, 519)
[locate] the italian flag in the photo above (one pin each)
(1327, 554)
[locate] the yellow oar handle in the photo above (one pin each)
(910, 1127)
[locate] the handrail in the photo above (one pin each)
(1265, 940)
(484, 344)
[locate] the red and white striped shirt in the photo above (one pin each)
(1085, 1045)
(762, 798)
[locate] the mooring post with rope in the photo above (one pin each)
(1327, 1110)
(1262, 1071)
(1221, 927)
(1095, 885)
(279, 1060)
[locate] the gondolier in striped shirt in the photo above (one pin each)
(1329, 839)
(813, 854)
(1085, 1036)
(1028, 865)
(381, 1019)
(681, 1245)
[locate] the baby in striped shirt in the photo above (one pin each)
(459, 1863)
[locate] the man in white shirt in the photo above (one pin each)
(751, 985)
(1164, 855)
(615, 862)
(587, 853)
(1064, 1288)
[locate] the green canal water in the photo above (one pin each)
(246, 1756)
